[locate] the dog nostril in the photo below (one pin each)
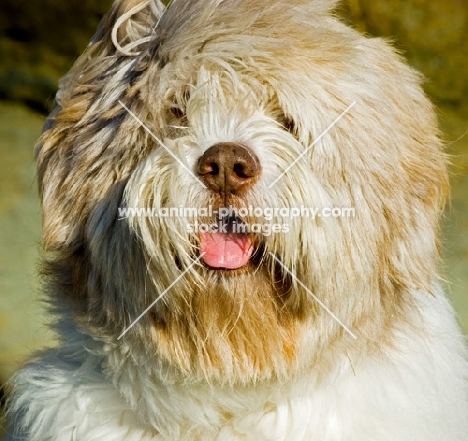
(229, 167)
(239, 170)
(208, 169)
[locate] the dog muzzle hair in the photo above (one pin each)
(201, 288)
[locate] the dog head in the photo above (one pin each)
(238, 103)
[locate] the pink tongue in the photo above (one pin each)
(223, 250)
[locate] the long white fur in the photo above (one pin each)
(406, 394)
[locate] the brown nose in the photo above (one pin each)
(229, 168)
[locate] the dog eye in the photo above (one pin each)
(176, 112)
(289, 125)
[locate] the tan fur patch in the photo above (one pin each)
(236, 327)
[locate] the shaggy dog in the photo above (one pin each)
(299, 327)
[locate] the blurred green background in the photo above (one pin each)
(39, 40)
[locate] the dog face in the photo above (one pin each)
(230, 104)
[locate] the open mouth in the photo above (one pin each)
(229, 247)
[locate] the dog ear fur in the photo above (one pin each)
(76, 144)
